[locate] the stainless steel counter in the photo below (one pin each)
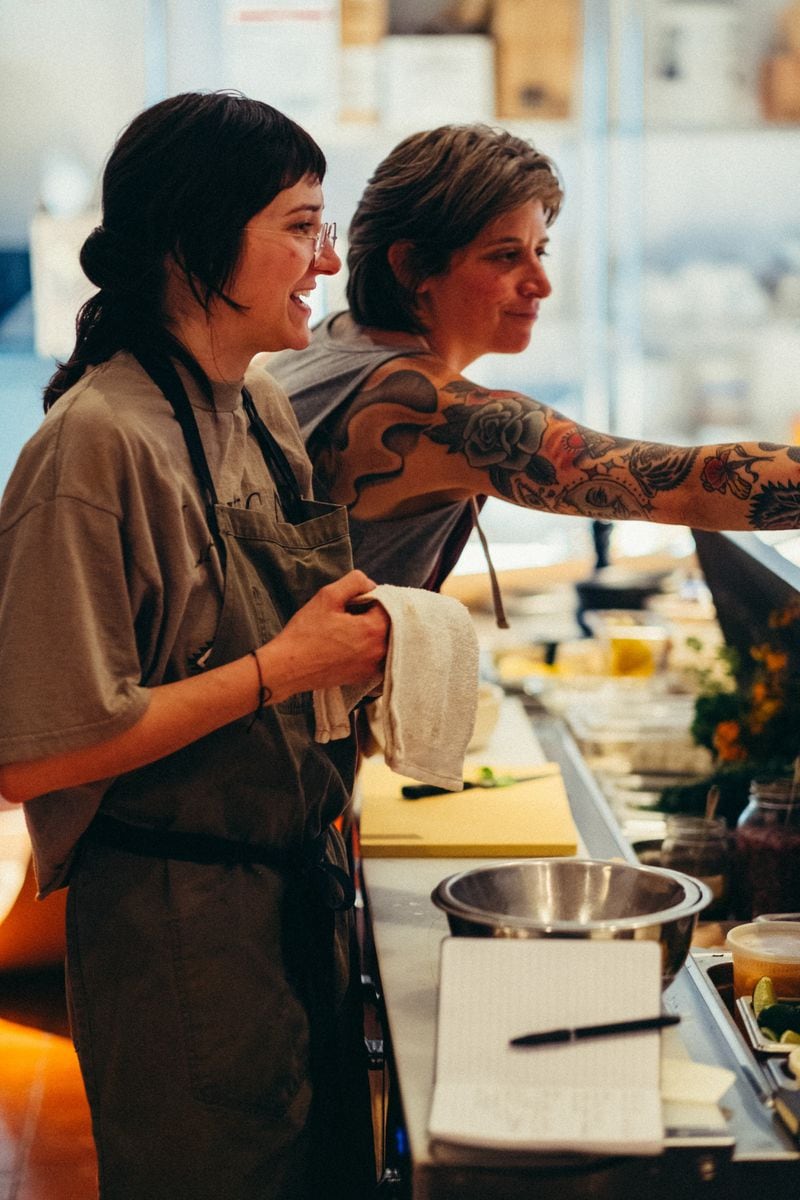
(407, 930)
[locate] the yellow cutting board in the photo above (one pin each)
(524, 819)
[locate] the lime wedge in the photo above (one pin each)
(767, 1034)
(763, 994)
(789, 1035)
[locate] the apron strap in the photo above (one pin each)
(166, 378)
(329, 883)
(284, 477)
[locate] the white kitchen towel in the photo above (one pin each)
(333, 705)
(430, 687)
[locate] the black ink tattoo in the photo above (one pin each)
(776, 506)
(408, 389)
(791, 452)
(404, 389)
(658, 468)
(501, 437)
(586, 444)
(606, 498)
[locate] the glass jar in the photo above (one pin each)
(700, 847)
(766, 872)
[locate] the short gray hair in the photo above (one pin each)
(437, 190)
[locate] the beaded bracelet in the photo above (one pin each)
(264, 692)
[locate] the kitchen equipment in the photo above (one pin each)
(699, 847)
(635, 643)
(749, 1021)
(576, 898)
(613, 586)
(766, 948)
(488, 779)
(616, 587)
(767, 847)
(533, 817)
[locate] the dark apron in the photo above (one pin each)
(210, 937)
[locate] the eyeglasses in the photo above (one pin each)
(323, 241)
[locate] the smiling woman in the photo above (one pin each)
(285, 244)
(446, 263)
(172, 595)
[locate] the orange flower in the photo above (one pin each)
(726, 742)
(782, 617)
(762, 714)
(776, 660)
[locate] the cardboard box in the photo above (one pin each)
(789, 22)
(537, 22)
(364, 25)
(537, 49)
(532, 84)
(364, 22)
(780, 87)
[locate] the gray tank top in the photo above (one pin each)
(418, 550)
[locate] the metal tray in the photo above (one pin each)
(757, 1040)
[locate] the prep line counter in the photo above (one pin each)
(405, 930)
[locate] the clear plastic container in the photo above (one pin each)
(769, 948)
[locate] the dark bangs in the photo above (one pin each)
(213, 162)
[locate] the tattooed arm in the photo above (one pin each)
(416, 437)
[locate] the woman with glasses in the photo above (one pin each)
(171, 597)
(446, 263)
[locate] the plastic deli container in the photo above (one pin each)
(769, 948)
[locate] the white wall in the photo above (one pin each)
(72, 74)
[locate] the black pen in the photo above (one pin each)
(593, 1031)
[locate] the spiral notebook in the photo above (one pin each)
(599, 1095)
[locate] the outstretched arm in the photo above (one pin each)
(418, 437)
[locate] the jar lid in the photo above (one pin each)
(698, 826)
(774, 941)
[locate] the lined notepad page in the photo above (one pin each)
(599, 1094)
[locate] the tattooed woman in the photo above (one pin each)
(445, 265)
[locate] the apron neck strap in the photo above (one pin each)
(283, 476)
(162, 371)
(164, 375)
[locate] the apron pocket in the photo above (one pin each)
(245, 1031)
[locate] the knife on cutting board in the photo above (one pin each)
(532, 818)
(418, 791)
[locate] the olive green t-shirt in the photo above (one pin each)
(110, 583)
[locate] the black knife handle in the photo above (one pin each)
(418, 791)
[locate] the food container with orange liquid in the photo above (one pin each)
(769, 948)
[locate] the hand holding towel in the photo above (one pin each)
(430, 687)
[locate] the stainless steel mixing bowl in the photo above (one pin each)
(576, 898)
